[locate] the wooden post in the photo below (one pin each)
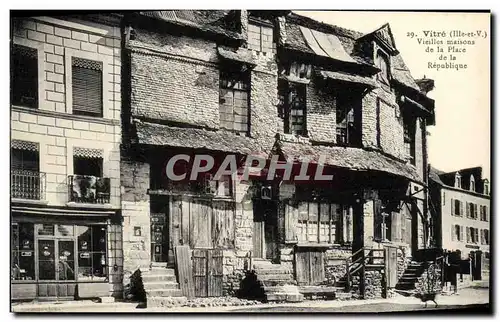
(348, 276)
(384, 277)
(362, 277)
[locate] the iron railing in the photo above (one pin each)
(27, 184)
(89, 189)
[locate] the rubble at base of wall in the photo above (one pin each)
(198, 302)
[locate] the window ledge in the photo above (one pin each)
(42, 112)
(29, 201)
(316, 245)
(89, 205)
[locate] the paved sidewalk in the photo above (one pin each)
(469, 296)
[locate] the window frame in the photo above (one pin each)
(33, 78)
(285, 91)
(381, 55)
(107, 80)
(245, 80)
(41, 48)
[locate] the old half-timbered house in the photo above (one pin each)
(281, 85)
(65, 157)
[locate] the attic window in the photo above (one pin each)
(382, 62)
(472, 186)
(458, 178)
(486, 187)
(260, 37)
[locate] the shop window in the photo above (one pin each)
(324, 223)
(292, 107)
(24, 76)
(234, 101)
(23, 252)
(87, 87)
(92, 261)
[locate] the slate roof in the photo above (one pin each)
(205, 20)
(195, 138)
(349, 158)
(348, 38)
(349, 78)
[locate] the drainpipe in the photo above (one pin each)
(426, 179)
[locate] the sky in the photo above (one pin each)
(461, 136)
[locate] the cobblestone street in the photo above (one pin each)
(475, 298)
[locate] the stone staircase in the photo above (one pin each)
(160, 282)
(413, 271)
(277, 281)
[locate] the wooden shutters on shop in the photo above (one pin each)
(87, 87)
(309, 265)
(208, 272)
(201, 223)
(291, 220)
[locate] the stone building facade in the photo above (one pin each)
(461, 211)
(274, 84)
(65, 157)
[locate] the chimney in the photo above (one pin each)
(425, 84)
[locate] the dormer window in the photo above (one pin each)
(382, 61)
(458, 179)
(472, 186)
(486, 187)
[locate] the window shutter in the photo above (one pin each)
(461, 209)
(468, 234)
(486, 213)
(453, 232)
(291, 221)
(475, 211)
(467, 210)
(452, 207)
(461, 233)
(87, 87)
(482, 236)
(476, 235)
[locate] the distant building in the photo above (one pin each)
(460, 207)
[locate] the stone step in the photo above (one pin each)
(159, 270)
(158, 278)
(311, 289)
(150, 286)
(273, 271)
(343, 296)
(164, 292)
(275, 277)
(159, 264)
(285, 297)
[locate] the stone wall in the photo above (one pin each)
(335, 264)
(135, 212)
(321, 113)
(52, 124)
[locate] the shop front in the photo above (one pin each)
(60, 258)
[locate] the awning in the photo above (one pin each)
(326, 45)
(349, 78)
(195, 138)
(348, 158)
(242, 55)
(53, 211)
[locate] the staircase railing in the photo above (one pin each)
(358, 262)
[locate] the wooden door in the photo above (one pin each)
(391, 266)
(258, 239)
(184, 270)
(309, 266)
(215, 272)
(200, 272)
(208, 272)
